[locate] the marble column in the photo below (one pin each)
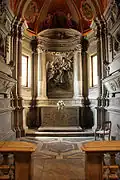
(77, 74)
(42, 89)
(86, 121)
(14, 54)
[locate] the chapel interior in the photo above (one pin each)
(59, 68)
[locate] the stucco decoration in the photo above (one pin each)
(31, 12)
(87, 10)
(112, 83)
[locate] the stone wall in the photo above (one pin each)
(112, 81)
(6, 81)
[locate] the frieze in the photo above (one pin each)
(112, 83)
(47, 40)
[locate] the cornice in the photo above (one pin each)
(48, 40)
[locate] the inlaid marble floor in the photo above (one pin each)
(58, 158)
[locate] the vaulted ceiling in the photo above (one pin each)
(43, 14)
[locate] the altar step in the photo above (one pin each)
(59, 133)
(60, 129)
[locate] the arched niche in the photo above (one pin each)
(59, 59)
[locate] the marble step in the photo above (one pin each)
(60, 129)
(34, 133)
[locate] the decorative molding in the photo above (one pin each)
(112, 83)
(68, 39)
(52, 102)
(6, 110)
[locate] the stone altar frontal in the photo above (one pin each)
(52, 117)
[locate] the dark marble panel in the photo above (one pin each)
(50, 116)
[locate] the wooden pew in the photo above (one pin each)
(19, 166)
(94, 155)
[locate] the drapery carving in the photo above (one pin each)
(59, 73)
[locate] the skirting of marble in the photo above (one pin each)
(34, 133)
(58, 158)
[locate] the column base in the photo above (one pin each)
(22, 132)
(77, 97)
(42, 98)
(86, 121)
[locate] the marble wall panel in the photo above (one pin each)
(51, 116)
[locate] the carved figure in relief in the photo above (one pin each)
(87, 10)
(31, 12)
(59, 72)
(113, 85)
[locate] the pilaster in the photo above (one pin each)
(42, 74)
(14, 53)
(34, 67)
(77, 74)
(86, 121)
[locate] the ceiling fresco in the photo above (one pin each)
(44, 14)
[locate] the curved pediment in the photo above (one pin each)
(59, 39)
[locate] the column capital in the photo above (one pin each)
(78, 48)
(34, 44)
(40, 50)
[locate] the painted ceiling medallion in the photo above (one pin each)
(87, 10)
(31, 12)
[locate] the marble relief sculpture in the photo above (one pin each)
(59, 73)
